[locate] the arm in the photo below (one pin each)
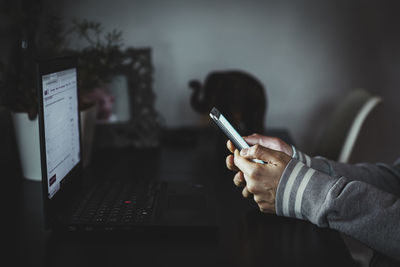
(380, 175)
(289, 188)
(352, 207)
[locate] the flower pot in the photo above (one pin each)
(27, 137)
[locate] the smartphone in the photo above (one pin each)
(229, 131)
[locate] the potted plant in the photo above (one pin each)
(38, 34)
(100, 59)
(32, 32)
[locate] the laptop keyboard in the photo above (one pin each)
(113, 203)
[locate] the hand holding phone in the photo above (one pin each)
(229, 131)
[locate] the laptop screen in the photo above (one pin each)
(61, 126)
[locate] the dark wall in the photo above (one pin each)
(378, 23)
(309, 54)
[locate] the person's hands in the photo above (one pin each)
(266, 141)
(261, 180)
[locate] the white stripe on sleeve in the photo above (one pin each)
(308, 160)
(288, 188)
(300, 156)
(300, 192)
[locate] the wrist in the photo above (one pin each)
(294, 152)
(300, 156)
(291, 189)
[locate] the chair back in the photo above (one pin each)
(346, 122)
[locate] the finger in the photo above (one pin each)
(245, 192)
(273, 143)
(257, 198)
(267, 141)
(266, 207)
(258, 152)
(253, 139)
(230, 146)
(239, 180)
(247, 166)
(230, 163)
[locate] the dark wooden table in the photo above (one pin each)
(246, 236)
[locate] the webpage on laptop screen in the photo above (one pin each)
(60, 110)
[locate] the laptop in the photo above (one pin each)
(75, 202)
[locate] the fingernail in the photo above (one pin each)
(244, 151)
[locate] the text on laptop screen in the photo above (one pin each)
(61, 126)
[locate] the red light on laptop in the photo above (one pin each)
(127, 202)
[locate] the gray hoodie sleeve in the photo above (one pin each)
(323, 195)
(380, 175)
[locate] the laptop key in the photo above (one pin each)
(117, 205)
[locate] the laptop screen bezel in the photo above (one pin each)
(56, 205)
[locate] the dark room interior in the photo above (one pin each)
(319, 75)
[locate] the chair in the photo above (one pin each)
(339, 138)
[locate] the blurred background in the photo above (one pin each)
(307, 54)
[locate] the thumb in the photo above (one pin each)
(257, 152)
(265, 141)
(252, 139)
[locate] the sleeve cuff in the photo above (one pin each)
(299, 194)
(300, 156)
(291, 188)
